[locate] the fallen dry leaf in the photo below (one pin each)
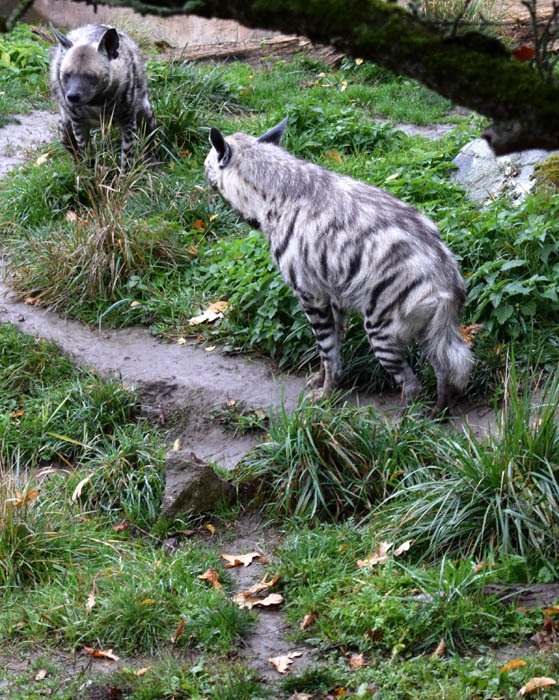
(241, 559)
(356, 661)
(377, 557)
(511, 665)
(536, 683)
(440, 650)
(178, 632)
(282, 663)
(42, 159)
(469, 333)
(308, 620)
(404, 547)
(41, 674)
(212, 576)
(79, 488)
(548, 635)
(100, 653)
(250, 602)
(210, 528)
(90, 602)
(23, 497)
(142, 671)
(211, 314)
(263, 585)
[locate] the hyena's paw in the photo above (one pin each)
(411, 390)
(317, 394)
(315, 381)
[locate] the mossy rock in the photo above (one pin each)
(546, 173)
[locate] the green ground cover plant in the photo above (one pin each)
(23, 71)
(82, 561)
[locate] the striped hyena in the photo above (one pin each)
(97, 77)
(343, 245)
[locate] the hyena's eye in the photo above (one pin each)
(66, 76)
(91, 78)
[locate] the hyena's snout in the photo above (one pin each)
(76, 92)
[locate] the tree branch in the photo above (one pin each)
(472, 70)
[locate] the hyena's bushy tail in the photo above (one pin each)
(444, 345)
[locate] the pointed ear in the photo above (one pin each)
(110, 43)
(221, 146)
(274, 134)
(62, 40)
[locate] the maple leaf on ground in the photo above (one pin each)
(233, 560)
(308, 620)
(178, 632)
(377, 557)
(262, 585)
(356, 661)
(512, 664)
(282, 663)
(211, 314)
(440, 650)
(212, 576)
(23, 497)
(535, 684)
(254, 602)
(404, 547)
(100, 653)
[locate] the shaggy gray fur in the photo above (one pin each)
(343, 245)
(97, 76)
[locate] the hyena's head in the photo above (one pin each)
(226, 153)
(85, 66)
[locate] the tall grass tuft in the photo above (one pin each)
(39, 536)
(499, 494)
(96, 252)
(331, 460)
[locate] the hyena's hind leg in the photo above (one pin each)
(390, 352)
(327, 323)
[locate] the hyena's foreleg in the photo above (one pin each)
(390, 352)
(128, 140)
(327, 322)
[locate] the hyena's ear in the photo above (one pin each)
(62, 40)
(274, 134)
(110, 43)
(223, 149)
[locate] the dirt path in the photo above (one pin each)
(185, 380)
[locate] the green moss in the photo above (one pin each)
(546, 173)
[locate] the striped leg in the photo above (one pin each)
(128, 141)
(389, 351)
(327, 321)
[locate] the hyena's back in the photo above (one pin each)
(344, 245)
(97, 76)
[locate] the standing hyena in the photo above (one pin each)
(343, 245)
(97, 77)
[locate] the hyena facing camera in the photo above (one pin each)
(97, 77)
(344, 245)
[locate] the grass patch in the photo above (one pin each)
(81, 561)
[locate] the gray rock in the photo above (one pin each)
(486, 177)
(192, 485)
